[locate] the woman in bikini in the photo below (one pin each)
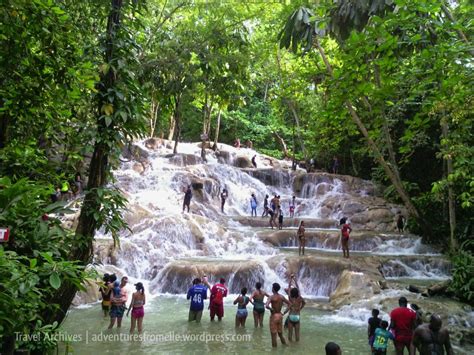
(241, 302)
(301, 238)
(296, 305)
(138, 301)
(258, 305)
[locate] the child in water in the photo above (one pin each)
(382, 335)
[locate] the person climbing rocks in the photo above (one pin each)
(431, 338)
(265, 206)
(254, 162)
(253, 205)
(374, 323)
(296, 305)
(400, 222)
(381, 337)
(301, 239)
(66, 193)
(272, 217)
(188, 195)
(276, 318)
(216, 305)
(292, 206)
(402, 321)
(257, 299)
(224, 196)
(137, 307)
(237, 143)
(197, 294)
(79, 184)
(273, 203)
(241, 301)
(56, 196)
(335, 165)
(280, 219)
(345, 232)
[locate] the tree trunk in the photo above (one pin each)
(98, 174)
(3, 130)
(394, 179)
(460, 33)
(206, 125)
(155, 106)
(218, 126)
(291, 105)
(453, 244)
(282, 143)
(177, 123)
(172, 127)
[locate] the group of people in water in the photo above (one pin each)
(406, 327)
(114, 302)
(407, 331)
(259, 299)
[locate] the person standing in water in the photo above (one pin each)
(241, 301)
(301, 238)
(345, 231)
(276, 318)
(265, 206)
(119, 301)
(431, 338)
(296, 305)
(188, 195)
(197, 294)
(224, 195)
(137, 306)
(216, 305)
(257, 299)
(106, 293)
(374, 323)
(381, 337)
(402, 320)
(253, 205)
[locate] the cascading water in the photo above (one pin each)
(163, 235)
(167, 248)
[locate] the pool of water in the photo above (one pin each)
(166, 330)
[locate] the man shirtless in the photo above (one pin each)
(431, 338)
(276, 319)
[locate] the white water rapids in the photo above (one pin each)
(167, 248)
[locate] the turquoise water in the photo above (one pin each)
(166, 320)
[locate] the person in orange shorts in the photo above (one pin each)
(276, 318)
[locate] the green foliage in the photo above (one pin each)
(463, 272)
(110, 215)
(35, 263)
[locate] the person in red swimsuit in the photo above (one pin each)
(403, 321)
